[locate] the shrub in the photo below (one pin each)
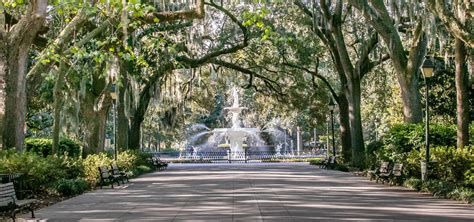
(141, 170)
(413, 183)
(438, 188)
(402, 138)
(71, 187)
(126, 160)
(69, 146)
(464, 194)
(37, 171)
(316, 161)
(341, 167)
(92, 163)
(372, 151)
(44, 146)
(451, 164)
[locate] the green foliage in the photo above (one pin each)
(450, 164)
(413, 183)
(128, 161)
(464, 194)
(341, 167)
(69, 146)
(40, 146)
(438, 188)
(141, 169)
(39, 171)
(92, 164)
(71, 187)
(316, 161)
(402, 138)
(372, 149)
(43, 146)
(442, 189)
(66, 175)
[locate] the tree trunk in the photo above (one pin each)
(3, 71)
(411, 98)
(345, 132)
(134, 134)
(15, 100)
(17, 41)
(94, 128)
(406, 68)
(357, 138)
(58, 100)
(462, 94)
(122, 120)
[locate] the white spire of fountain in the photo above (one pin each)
(236, 133)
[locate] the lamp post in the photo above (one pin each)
(113, 95)
(332, 107)
(427, 70)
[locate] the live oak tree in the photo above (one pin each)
(17, 33)
(457, 16)
(333, 23)
(403, 19)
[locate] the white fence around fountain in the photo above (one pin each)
(226, 156)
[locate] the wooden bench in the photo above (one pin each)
(324, 163)
(159, 164)
(383, 173)
(116, 171)
(107, 178)
(329, 163)
(397, 174)
(10, 205)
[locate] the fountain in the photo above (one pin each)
(236, 134)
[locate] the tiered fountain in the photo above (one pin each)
(236, 134)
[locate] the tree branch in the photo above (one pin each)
(315, 74)
(196, 13)
(193, 63)
(456, 28)
(268, 82)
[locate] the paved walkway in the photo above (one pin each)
(254, 192)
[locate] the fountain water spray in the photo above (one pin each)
(236, 134)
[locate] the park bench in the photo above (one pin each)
(382, 171)
(329, 162)
(158, 163)
(116, 171)
(397, 176)
(107, 177)
(10, 205)
(324, 162)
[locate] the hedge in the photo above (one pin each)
(44, 146)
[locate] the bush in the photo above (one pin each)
(462, 194)
(71, 187)
(341, 167)
(91, 167)
(39, 171)
(44, 146)
(316, 161)
(413, 183)
(438, 188)
(451, 164)
(141, 170)
(66, 175)
(402, 138)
